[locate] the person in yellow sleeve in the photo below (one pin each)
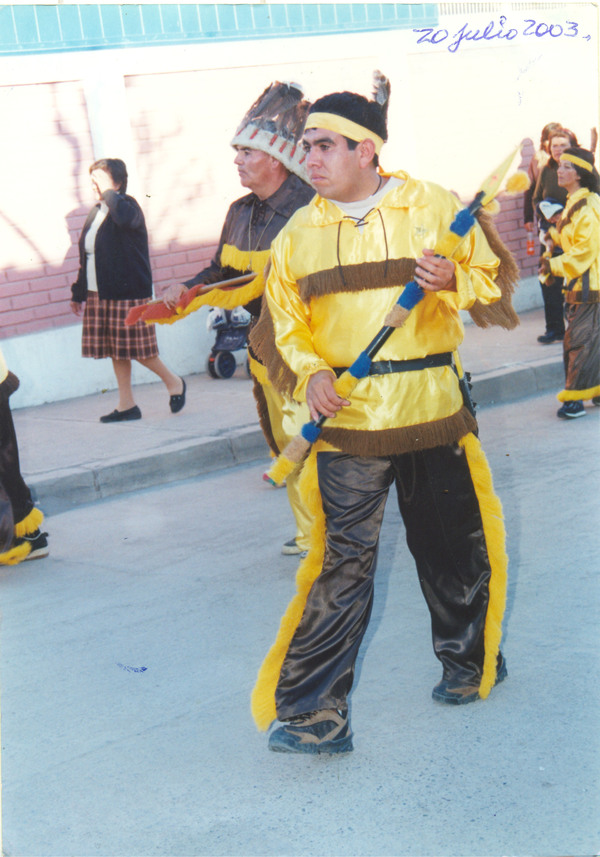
(270, 164)
(336, 270)
(578, 235)
(27, 541)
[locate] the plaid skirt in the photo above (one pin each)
(105, 333)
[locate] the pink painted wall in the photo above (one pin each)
(184, 170)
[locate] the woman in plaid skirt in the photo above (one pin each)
(114, 276)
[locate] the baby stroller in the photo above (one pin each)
(232, 335)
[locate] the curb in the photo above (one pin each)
(67, 489)
(64, 490)
(501, 386)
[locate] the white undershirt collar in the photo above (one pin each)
(358, 209)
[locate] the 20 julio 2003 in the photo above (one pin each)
(531, 28)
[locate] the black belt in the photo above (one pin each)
(387, 367)
(585, 286)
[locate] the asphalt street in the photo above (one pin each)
(129, 654)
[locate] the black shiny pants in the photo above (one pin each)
(10, 470)
(444, 532)
(552, 295)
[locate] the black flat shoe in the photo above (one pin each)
(118, 416)
(177, 402)
(549, 337)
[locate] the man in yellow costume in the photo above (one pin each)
(20, 534)
(336, 270)
(270, 164)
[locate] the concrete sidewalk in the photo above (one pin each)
(69, 458)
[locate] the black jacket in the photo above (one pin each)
(547, 185)
(122, 257)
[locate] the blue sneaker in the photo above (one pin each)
(571, 410)
(453, 694)
(325, 731)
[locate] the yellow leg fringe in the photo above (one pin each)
(29, 524)
(263, 695)
(15, 555)
(578, 395)
(495, 537)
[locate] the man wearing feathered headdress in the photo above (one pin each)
(336, 270)
(270, 164)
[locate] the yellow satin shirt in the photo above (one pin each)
(579, 239)
(331, 286)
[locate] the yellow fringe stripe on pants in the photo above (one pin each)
(279, 408)
(263, 695)
(495, 538)
(20, 552)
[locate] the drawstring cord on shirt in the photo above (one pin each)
(361, 221)
(385, 270)
(339, 261)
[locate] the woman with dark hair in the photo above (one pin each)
(578, 234)
(115, 276)
(547, 187)
(536, 165)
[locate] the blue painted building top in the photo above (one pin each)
(34, 29)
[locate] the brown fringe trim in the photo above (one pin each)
(357, 278)
(581, 203)
(573, 296)
(376, 275)
(405, 439)
(502, 312)
(263, 416)
(262, 344)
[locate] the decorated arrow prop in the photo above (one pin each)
(158, 311)
(460, 227)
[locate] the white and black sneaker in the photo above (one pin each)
(325, 731)
(291, 548)
(38, 542)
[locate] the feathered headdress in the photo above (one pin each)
(275, 123)
(381, 91)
